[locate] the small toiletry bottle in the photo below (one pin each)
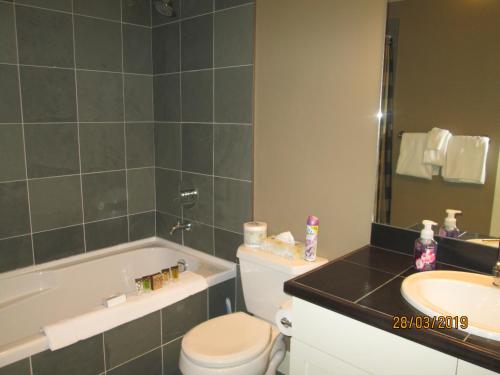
(312, 229)
(449, 229)
(425, 250)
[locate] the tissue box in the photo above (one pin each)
(283, 249)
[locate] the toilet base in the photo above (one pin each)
(260, 365)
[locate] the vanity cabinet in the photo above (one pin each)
(325, 342)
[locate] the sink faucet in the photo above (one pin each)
(183, 225)
(496, 273)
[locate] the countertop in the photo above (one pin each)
(365, 285)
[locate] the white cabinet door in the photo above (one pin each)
(466, 368)
(306, 360)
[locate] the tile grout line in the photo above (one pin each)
(204, 69)
(382, 285)
(130, 122)
(76, 225)
(78, 128)
(31, 365)
(203, 14)
(213, 128)
(76, 14)
(104, 354)
(21, 108)
(124, 121)
(180, 112)
(154, 128)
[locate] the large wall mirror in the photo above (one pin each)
(442, 69)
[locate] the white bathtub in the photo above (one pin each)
(37, 296)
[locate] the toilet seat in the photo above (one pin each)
(227, 341)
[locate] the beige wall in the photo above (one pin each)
(317, 90)
(495, 212)
(447, 75)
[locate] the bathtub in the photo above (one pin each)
(35, 297)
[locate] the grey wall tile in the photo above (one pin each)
(140, 145)
(55, 202)
(15, 253)
(217, 295)
(142, 225)
(222, 4)
(164, 222)
(168, 145)
(233, 151)
(197, 42)
(11, 153)
(10, 108)
(141, 190)
(233, 95)
(109, 9)
(226, 244)
(8, 52)
(138, 98)
(166, 48)
(202, 211)
(137, 12)
(201, 237)
(104, 195)
(167, 191)
(102, 147)
(100, 96)
(14, 214)
(197, 94)
(167, 97)
(159, 19)
(171, 354)
(137, 49)
(51, 149)
(48, 95)
(240, 298)
(149, 363)
(49, 4)
(44, 37)
(106, 233)
(192, 8)
(233, 36)
(98, 44)
(232, 203)
(183, 315)
(18, 368)
(132, 339)
(197, 146)
(58, 243)
(82, 358)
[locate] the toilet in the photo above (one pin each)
(239, 343)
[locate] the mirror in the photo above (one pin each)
(441, 70)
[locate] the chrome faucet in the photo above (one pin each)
(496, 273)
(183, 225)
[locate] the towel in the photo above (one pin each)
(466, 160)
(411, 155)
(69, 331)
(436, 145)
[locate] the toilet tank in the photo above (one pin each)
(263, 275)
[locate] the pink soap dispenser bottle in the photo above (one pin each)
(425, 250)
(449, 229)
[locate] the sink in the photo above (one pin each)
(451, 293)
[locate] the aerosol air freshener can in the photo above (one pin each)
(312, 229)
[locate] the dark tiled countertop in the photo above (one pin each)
(365, 285)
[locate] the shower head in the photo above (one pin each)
(165, 7)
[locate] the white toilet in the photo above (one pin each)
(238, 343)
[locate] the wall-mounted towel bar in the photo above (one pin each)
(400, 134)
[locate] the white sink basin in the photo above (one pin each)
(450, 293)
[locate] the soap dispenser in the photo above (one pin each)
(425, 250)
(449, 229)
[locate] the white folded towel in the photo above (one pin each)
(411, 155)
(466, 159)
(436, 145)
(69, 331)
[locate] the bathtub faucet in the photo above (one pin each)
(183, 225)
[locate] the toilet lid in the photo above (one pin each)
(226, 341)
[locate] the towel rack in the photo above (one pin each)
(400, 134)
